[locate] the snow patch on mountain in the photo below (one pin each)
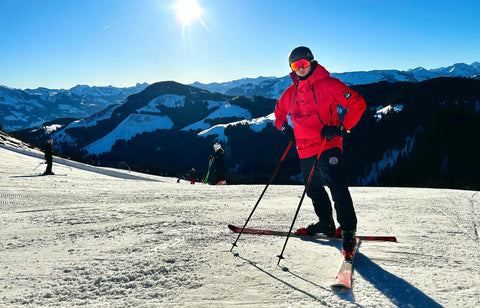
(388, 160)
(167, 100)
(256, 125)
(217, 130)
(134, 124)
(382, 111)
(95, 118)
(52, 128)
(227, 110)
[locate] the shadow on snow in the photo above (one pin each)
(399, 291)
(315, 298)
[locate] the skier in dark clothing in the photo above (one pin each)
(311, 101)
(218, 160)
(48, 157)
(193, 176)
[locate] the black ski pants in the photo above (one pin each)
(330, 169)
(49, 165)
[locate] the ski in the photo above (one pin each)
(56, 174)
(343, 280)
(320, 236)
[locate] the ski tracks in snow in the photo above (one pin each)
(467, 219)
(475, 203)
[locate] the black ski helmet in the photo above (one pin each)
(298, 53)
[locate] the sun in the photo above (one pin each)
(188, 11)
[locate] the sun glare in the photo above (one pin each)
(188, 11)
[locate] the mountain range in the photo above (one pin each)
(168, 128)
(21, 109)
(30, 108)
(273, 87)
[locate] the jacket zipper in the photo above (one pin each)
(316, 103)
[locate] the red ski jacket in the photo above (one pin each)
(312, 104)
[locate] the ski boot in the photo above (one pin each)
(349, 244)
(326, 227)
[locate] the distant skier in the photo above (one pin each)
(193, 176)
(48, 157)
(312, 102)
(218, 160)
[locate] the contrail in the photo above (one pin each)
(106, 27)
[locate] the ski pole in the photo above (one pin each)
(205, 180)
(265, 189)
(38, 165)
(307, 185)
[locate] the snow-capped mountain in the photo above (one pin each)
(30, 108)
(273, 87)
(161, 106)
(21, 109)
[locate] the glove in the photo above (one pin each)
(332, 131)
(287, 131)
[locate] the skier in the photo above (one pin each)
(311, 101)
(218, 159)
(193, 175)
(48, 157)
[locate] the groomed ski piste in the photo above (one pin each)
(100, 237)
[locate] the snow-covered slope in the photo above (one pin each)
(133, 125)
(162, 111)
(91, 240)
(12, 144)
(218, 131)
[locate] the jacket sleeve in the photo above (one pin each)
(350, 100)
(281, 110)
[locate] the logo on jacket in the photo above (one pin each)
(333, 160)
(347, 95)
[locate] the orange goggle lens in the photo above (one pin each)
(299, 64)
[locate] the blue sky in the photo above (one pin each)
(62, 43)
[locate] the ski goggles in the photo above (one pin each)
(299, 64)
